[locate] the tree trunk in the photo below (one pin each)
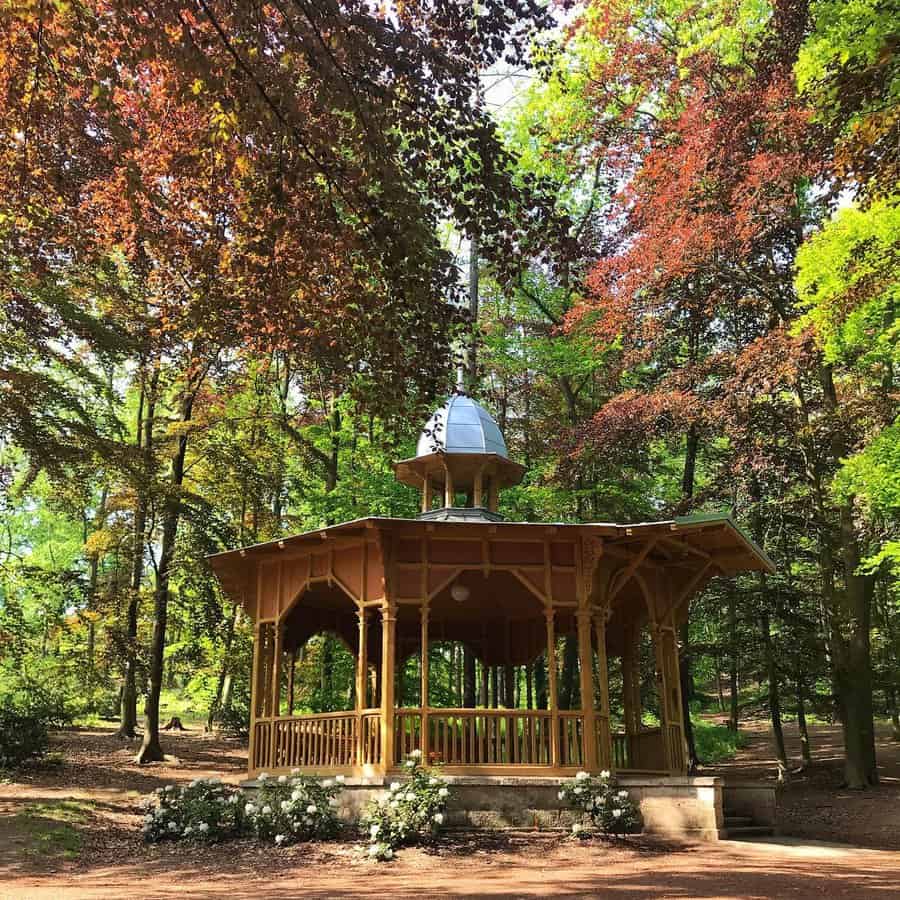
(128, 705)
(733, 662)
(774, 698)
(468, 679)
(540, 683)
(801, 723)
(216, 704)
(483, 671)
(151, 750)
(529, 690)
(568, 681)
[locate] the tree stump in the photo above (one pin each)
(174, 724)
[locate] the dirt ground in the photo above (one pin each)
(73, 830)
(812, 804)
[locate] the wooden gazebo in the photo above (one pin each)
(507, 591)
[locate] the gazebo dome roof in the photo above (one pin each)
(461, 426)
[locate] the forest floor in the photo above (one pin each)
(813, 804)
(73, 830)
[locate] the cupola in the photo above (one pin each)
(461, 463)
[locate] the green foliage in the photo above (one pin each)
(847, 277)
(715, 743)
(205, 810)
(296, 808)
(411, 812)
(23, 737)
(606, 807)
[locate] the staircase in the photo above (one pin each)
(739, 828)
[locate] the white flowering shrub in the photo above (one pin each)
(294, 808)
(607, 808)
(410, 813)
(204, 810)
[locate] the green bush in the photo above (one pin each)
(205, 810)
(296, 808)
(607, 808)
(23, 737)
(410, 813)
(715, 743)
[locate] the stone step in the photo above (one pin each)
(737, 821)
(748, 831)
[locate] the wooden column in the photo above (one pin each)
(604, 756)
(426, 494)
(669, 690)
(388, 650)
(478, 489)
(362, 662)
(424, 739)
(585, 661)
(275, 687)
(552, 701)
(448, 488)
(362, 683)
(254, 699)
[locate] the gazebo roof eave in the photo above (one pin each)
(692, 523)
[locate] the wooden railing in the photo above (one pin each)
(370, 737)
(641, 752)
(320, 741)
(571, 739)
(489, 737)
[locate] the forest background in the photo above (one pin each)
(242, 247)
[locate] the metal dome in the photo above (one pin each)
(461, 426)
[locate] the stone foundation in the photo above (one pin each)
(671, 806)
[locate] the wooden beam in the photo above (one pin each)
(631, 569)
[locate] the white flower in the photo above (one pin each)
(439, 818)
(416, 754)
(187, 830)
(234, 798)
(622, 795)
(282, 779)
(410, 763)
(267, 810)
(434, 781)
(249, 809)
(148, 819)
(394, 804)
(340, 779)
(194, 783)
(616, 813)
(577, 828)
(395, 786)
(388, 853)
(581, 776)
(373, 850)
(285, 805)
(332, 801)
(561, 795)
(203, 827)
(373, 831)
(604, 773)
(159, 791)
(280, 839)
(307, 821)
(172, 826)
(312, 808)
(327, 783)
(443, 792)
(262, 776)
(577, 790)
